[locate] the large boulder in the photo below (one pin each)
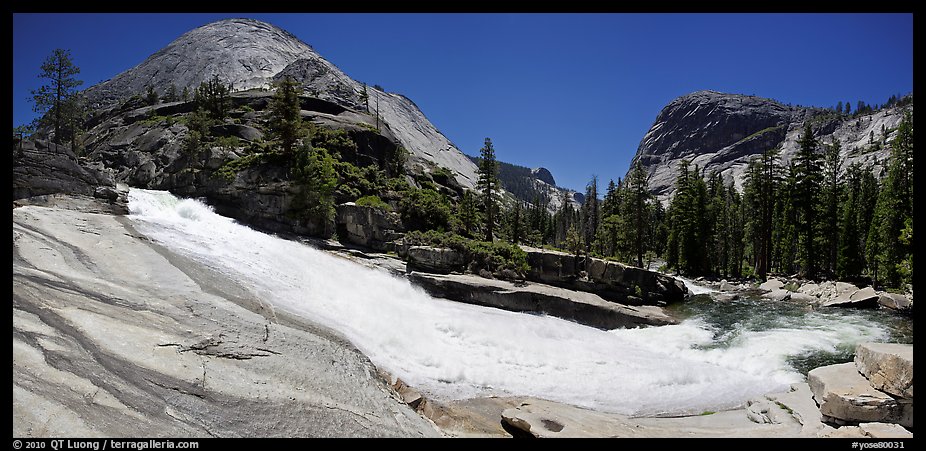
(778, 294)
(772, 285)
(584, 308)
(611, 280)
(895, 301)
(888, 367)
(435, 259)
(367, 226)
(41, 167)
(244, 132)
(863, 298)
(845, 395)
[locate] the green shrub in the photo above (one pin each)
(442, 175)
(233, 167)
(425, 209)
(158, 119)
(228, 142)
(373, 201)
(494, 256)
(337, 142)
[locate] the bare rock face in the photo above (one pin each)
(435, 259)
(253, 54)
(721, 132)
(884, 430)
(845, 395)
(895, 301)
(114, 336)
(772, 285)
(612, 280)
(367, 226)
(544, 175)
(583, 308)
(863, 298)
(888, 367)
(41, 167)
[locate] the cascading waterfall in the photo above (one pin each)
(451, 350)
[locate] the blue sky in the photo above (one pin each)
(571, 92)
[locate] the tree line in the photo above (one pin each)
(811, 217)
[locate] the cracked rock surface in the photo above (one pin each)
(113, 336)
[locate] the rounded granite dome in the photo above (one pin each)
(243, 52)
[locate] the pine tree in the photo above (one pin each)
(488, 185)
(638, 211)
(832, 164)
(786, 220)
(285, 122)
(735, 225)
(515, 222)
(61, 73)
(171, 94)
(868, 199)
(808, 186)
(151, 96)
(850, 261)
(590, 214)
(314, 170)
(468, 213)
(894, 209)
(686, 247)
(74, 113)
(760, 189)
(609, 203)
(365, 97)
(213, 97)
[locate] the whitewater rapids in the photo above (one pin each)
(450, 350)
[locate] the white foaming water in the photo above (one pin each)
(451, 350)
(695, 288)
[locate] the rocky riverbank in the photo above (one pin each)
(823, 294)
(116, 336)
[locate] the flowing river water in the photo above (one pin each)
(718, 357)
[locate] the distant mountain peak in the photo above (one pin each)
(720, 132)
(248, 53)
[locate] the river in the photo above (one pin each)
(720, 356)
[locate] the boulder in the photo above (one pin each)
(805, 298)
(41, 167)
(407, 394)
(584, 308)
(798, 400)
(367, 226)
(864, 298)
(772, 285)
(895, 301)
(611, 280)
(845, 287)
(725, 297)
(435, 259)
(888, 367)
(884, 430)
(726, 286)
(844, 394)
(778, 294)
(809, 288)
(244, 132)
